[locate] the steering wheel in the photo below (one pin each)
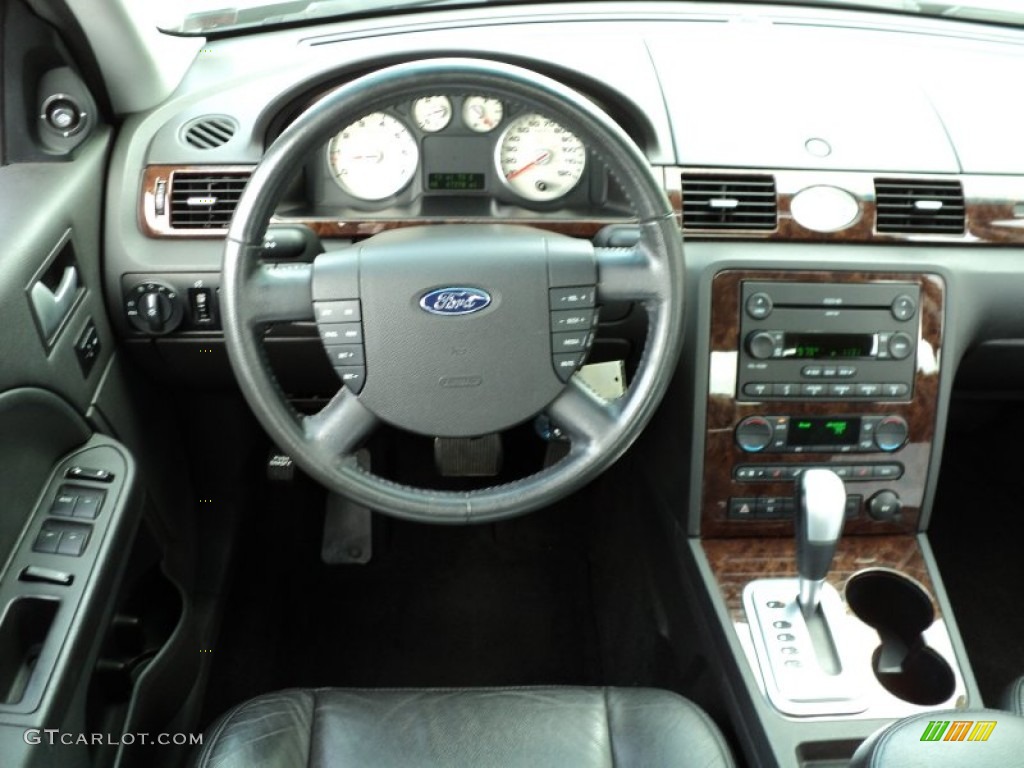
(456, 320)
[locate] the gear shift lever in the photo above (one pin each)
(820, 509)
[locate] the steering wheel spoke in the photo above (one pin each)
(630, 274)
(269, 293)
(341, 426)
(583, 415)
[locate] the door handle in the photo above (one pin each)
(53, 306)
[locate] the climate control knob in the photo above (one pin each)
(761, 345)
(754, 433)
(891, 433)
(153, 308)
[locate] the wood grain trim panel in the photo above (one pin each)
(991, 205)
(156, 226)
(735, 562)
(721, 453)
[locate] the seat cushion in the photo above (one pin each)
(465, 728)
(955, 738)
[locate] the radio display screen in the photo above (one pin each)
(829, 346)
(829, 430)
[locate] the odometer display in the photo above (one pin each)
(455, 182)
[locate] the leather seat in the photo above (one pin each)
(465, 728)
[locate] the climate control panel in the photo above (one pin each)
(822, 434)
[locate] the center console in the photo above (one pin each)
(836, 371)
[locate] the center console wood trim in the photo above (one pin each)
(724, 411)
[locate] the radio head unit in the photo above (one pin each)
(828, 341)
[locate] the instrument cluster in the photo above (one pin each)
(455, 145)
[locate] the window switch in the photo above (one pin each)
(47, 540)
(89, 502)
(73, 541)
(64, 502)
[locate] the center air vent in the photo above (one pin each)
(729, 202)
(917, 206)
(205, 200)
(210, 132)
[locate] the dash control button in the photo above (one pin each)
(581, 297)
(903, 307)
(759, 305)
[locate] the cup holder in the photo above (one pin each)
(900, 611)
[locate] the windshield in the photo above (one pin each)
(210, 17)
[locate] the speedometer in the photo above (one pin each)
(539, 159)
(373, 158)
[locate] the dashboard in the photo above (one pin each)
(853, 228)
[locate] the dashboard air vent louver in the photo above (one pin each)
(205, 199)
(729, 202)
(210, 132)
(915, 206)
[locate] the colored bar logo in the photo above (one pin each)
(958, 730)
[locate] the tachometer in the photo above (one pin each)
(539, 159)
(373, 158)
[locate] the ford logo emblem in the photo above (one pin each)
(455, 301)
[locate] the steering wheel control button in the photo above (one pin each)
(754, 434)
(759, 305)
(567, 364)
(572, 319)
(580, 297)
(87, 473)
(341, 333)
(903, 307)
(884, 506)
(346, 311)
(891, 433)
(346, 354)
(570, 342)
(352, 376)
(900, 346)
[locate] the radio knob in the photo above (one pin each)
(891, 433)
(884, 506)
(761, 345)
(900, 346)
(754, 433)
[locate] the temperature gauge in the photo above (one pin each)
(481, 114)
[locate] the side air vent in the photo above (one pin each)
(210, 132)
(919, 207)
(205, 200)
(729, 202)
